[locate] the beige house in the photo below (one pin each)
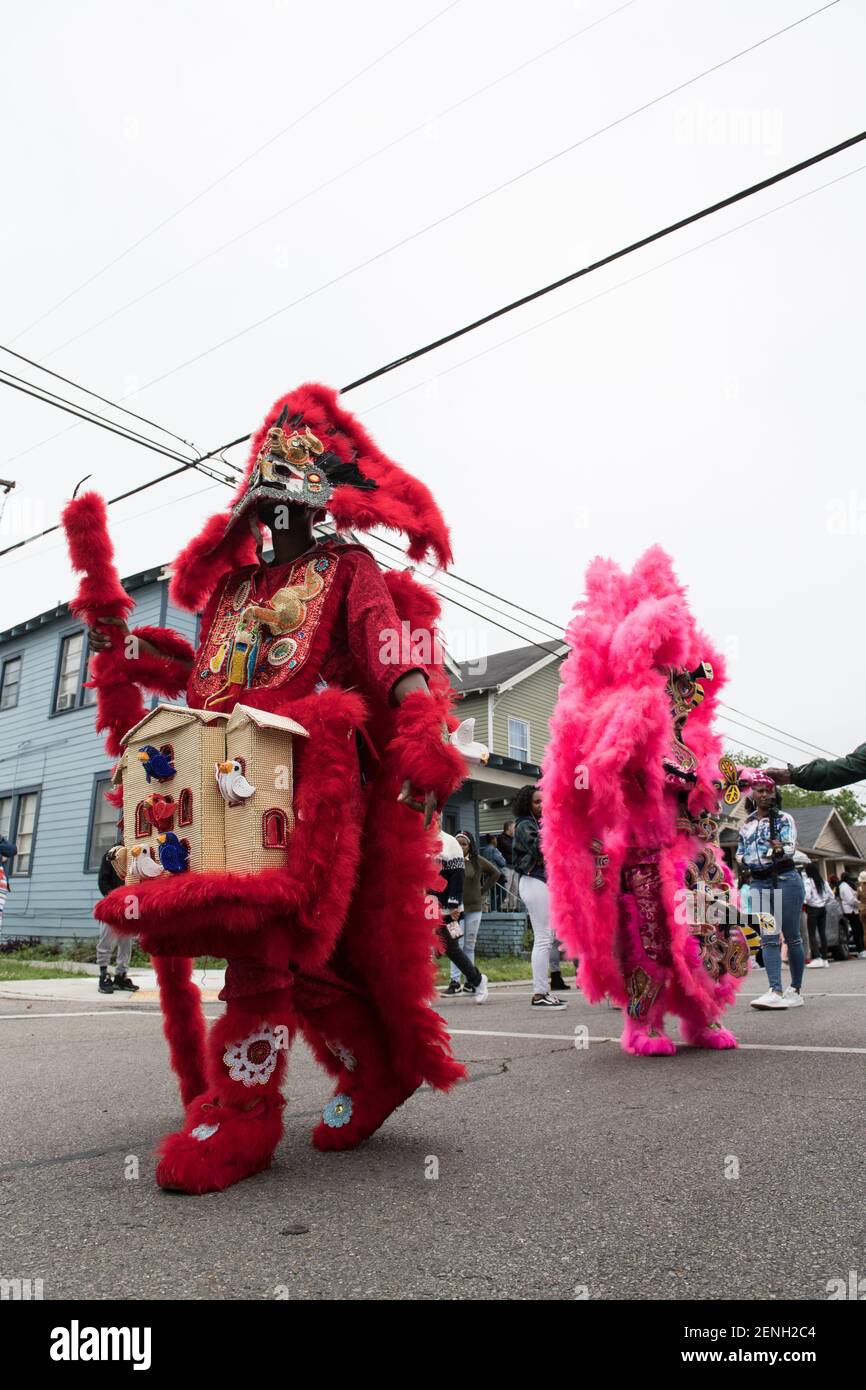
(511, 696)
(174, 786)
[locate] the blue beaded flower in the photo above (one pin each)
(322, 565)
(338, 1111)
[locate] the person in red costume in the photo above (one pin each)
(317, 633)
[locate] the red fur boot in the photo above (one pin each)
(231, 1131)
(347, 1039)
(220, 1144)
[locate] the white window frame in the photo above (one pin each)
(514, 719)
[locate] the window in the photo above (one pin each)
(71, 674)
(275, 829)
(143, 826)
(10, 683)
(184, 807)
(18, 811)
(103, 825)
(518, 739)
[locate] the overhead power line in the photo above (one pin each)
(472, 203)
(481, 198)
(28, 388)
(96, 396)
(509, 308)
(317, 106)
(337, 178)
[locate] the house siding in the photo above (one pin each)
(532, 699)
(60, 755)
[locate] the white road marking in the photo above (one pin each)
(91, 1013)
(568, 1037)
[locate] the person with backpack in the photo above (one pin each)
(479, 874)
(450, 863)
(108, 878)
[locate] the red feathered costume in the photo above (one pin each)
(337, 941)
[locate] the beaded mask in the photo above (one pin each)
(293, 466)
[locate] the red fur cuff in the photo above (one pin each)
(419, 748)
(168, 673)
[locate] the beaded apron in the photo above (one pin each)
(264, 643)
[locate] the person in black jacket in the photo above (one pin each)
(109, 876)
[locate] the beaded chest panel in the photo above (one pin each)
(263, 643)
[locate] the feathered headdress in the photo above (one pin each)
(311, 450)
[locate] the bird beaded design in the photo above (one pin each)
(173, 854)
(158, 766)
(233, 785)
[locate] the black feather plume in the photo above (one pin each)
(344, 474)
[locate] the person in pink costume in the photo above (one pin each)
(638, 888)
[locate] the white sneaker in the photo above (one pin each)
(817, 964)
(861, 955)
(771, 1000)
(482, 989)
(548, 1001)
(793, 997)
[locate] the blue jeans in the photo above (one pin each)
(784, 905)
(471, 925)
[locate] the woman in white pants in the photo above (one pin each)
(532, 887)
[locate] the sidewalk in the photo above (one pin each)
(85, 992)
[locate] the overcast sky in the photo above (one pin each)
(713, 404)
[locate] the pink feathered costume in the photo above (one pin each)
(638, 890)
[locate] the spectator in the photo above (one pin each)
(8, 852)
(110, 874)
(506, 841)
(766, 847)
(451, 865)
(851, 908)
(490, 850)
(861, 896)
(478, 875)
(528, 862)
(818, 895)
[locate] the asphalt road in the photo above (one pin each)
(562, 1172)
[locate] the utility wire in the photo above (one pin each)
(620, 120)
(611, 289)
(317, 106)
(499, 313)
(96, 396)
(60, 403)
(51, 397)
(48, 398)
(491, 192)
(337, 178)
(815, 746)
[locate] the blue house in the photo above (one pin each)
(53, 766)
(54, 770)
